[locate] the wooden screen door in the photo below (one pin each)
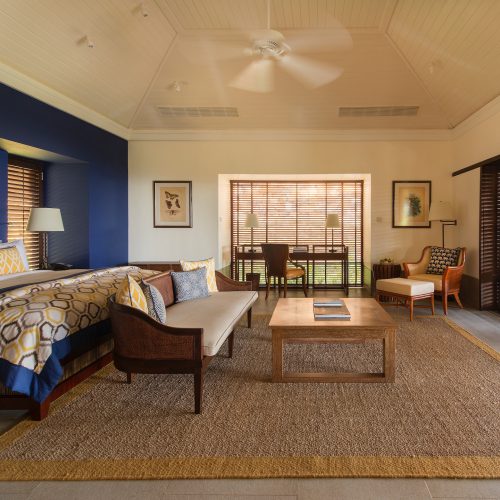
(490, 237)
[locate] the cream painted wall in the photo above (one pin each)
(477, 144)
(203, 161)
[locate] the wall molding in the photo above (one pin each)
(291, 135)
(47, 95)
(482, 114)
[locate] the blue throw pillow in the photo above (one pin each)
(155, 302)
(190, 285)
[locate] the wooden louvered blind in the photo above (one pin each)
(295, 213)
(490, 237)
(24, 192)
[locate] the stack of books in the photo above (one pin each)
(331, 310)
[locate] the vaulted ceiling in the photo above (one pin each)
(440, 55)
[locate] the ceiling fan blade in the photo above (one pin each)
(258, 76)
(318, 41)
(310, 73)
(205, 51)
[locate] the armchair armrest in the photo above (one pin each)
(295, 264)
(452, 278)
(225, 284)
(419, 267)
(139, 336)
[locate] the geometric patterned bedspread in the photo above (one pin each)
(34, 317)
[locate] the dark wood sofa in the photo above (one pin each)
(194, 332)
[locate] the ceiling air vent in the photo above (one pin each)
(379, 111)
(198, 111)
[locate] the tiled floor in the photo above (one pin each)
(485, 326)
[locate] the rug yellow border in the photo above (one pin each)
(242, 467)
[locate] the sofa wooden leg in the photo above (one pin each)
(459, 302)
(230, 344)
(39, 411)
(432, 304)
(249, 318)
(445, 303)
(304, 285)
(198, 390)
(129, 377)
(411, 309)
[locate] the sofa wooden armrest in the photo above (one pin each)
(138, 335)
(225, 284)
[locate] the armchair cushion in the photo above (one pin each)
(190, 285)
(437, 279)
(441, 258)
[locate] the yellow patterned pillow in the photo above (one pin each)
(191, 265)
(11, 261)
(129, 293)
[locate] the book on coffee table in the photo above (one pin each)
(339, 312)
(328, 303)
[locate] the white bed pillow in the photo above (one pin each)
(20, 247)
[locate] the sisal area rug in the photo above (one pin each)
(440, 418)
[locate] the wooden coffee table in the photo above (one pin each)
(293, 322)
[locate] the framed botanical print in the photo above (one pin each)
(172, 204)
(411, 201)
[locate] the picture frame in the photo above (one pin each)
(172, 204)
(411, 202)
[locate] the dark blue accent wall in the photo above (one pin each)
(3, 195)
(29, 121)
(67, 188)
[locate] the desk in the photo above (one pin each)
(303, 256)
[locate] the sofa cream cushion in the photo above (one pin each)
(216, 314)
(408, 287)
(437, 279)
(129, 293)
(209, 264)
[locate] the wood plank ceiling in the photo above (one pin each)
(442, 56)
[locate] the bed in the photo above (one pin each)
(54, 332)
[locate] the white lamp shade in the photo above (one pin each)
(332, 220)
(441, 210)
(45, 219)
(252, 220)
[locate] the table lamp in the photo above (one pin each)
(332, 221)
(252, 221)
(442, 211)
(43, 220)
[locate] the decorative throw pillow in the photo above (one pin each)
(190, 285)
(441, 258)
(11, 261)
(129, 293)
(191, 265)
(19, 244)
(155, 302)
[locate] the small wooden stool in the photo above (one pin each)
(406, 290)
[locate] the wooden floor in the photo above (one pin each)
(484, 325)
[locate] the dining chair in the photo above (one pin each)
(279, 265)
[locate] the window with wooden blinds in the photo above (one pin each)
(295, 212)
(24, 192)
(490, 237)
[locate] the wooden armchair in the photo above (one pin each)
(277, 257)
(143, 345)
(445, 284)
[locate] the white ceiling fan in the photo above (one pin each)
(270, 49)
